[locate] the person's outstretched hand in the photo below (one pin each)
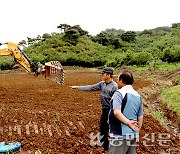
(73, 87)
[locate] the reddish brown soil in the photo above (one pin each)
(55, 119)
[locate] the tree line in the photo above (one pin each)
(111, 47)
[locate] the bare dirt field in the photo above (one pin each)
(54, 119)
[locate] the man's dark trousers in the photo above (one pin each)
(104, 128)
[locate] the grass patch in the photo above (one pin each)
(168, 66)
(171, 98)
(5, 71)
(178, 81)
(158, 67)
(157, 114)
(140, 68)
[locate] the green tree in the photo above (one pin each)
(46, 36)
(23, 42)
(63, 27)
(174, 25)
(164, 28)
(71, 36)
(30, 40)
(116, 43)
(114, 32)
(103, 38)
(38, 38)
(80, 30)
(109, 37)
(171, 54)
(73, 33)
(129, 36)
(146, 32)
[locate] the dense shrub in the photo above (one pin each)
(140, 58)
(171, 54)
(6, 62)
(115, 60)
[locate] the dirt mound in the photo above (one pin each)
(54, 119)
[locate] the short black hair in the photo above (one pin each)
(126, 77)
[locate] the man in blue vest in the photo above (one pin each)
(125, 117)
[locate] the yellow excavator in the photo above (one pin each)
(52, 68)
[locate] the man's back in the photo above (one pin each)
(129, 102)
(126, 116)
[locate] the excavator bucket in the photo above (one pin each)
(55, 72)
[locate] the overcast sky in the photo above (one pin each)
(28, 18)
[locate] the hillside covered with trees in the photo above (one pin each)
(112, 47)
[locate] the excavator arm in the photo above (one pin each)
(19, 56)
(4, 52)
(52, 68)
